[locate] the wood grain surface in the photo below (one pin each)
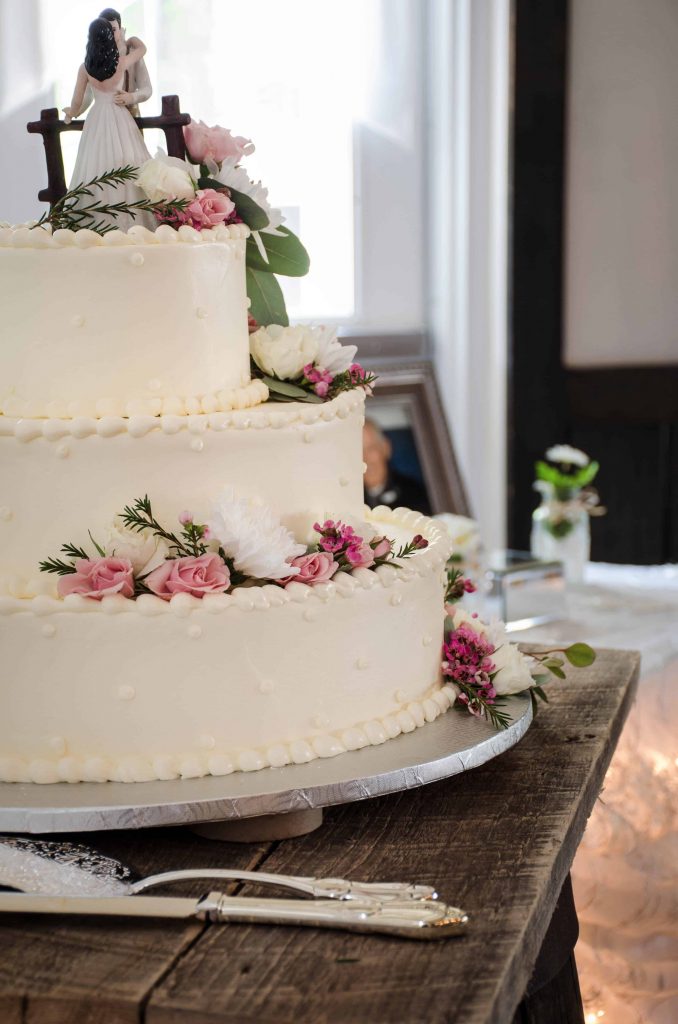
(497, 841)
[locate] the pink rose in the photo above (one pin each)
(318, 567)
(208, 209)
(204, 143)
(381, 547)
(196, 575)
(360, 555)
(98, 577)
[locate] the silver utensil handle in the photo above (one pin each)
(405, 918)
(319, 888)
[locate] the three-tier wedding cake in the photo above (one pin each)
(125, 372)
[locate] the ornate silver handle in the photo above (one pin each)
(318, 888)
(406, 918)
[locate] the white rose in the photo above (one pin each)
(143, 550)
(166, 177)
(283, 352)
(513, 667)
(463, 618)
(332, 355)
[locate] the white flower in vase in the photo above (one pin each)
(566, 455)
(253, 537)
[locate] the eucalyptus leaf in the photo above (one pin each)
(267, 304)
(286, 254)
(205, 181)
(248, 210)
(580, 655)
(556, 671)
(283, 387)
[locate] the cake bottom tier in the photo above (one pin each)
(130, 691)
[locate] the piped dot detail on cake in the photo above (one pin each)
(396, 599)
(5, 513)
(78, 320)
(201, 313)
(136, 259)
(62, 451)
(194, 631)
(126, 692)
(207, 741)
(57, 744)
(362, 663)
(48, 629)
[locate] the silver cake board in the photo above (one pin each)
(274, 803)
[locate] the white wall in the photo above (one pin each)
(622, 184)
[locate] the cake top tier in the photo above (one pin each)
(125, 323)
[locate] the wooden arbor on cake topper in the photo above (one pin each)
(50, 126)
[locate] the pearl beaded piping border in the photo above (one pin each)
(248, 599)
(27, 236)
(408, 717)
(245, 411)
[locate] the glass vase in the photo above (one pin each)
(561, 531)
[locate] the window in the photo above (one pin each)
(332, 96)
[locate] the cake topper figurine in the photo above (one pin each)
(110, 137)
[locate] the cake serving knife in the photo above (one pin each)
(427, 919)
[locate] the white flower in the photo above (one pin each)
(166, 177)
(332, 355)
(283, 351)
(564, 453)
(461, 617)
(143, 550)
(237, 177)
(513, 667)
(253, 537)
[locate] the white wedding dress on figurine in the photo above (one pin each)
(110, 139)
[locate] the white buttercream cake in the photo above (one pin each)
(124, 371)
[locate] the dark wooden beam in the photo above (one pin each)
(171, 121)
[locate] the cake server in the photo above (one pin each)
(426, 919)
(69, 869)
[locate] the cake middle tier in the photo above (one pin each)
(62, 478)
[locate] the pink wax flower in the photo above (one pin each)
(467, 661)
(357, 373)
(214, 143)
(196, 575)
(319, 377)
(317, 567)
(185, 517)
(336, 536)
(381, 547)
(98, 577)
(252, 325)
(359, 554)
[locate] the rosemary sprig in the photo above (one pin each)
(56, 565)
(492, 711)
(139, 516)
(416, 544)
(70, 213)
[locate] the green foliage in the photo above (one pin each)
(581, 477)
(73, 211)
(267, 304)
(248, 211)
(286, 391)
(580, 655)
(286, 254)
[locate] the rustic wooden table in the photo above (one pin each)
(498, 841)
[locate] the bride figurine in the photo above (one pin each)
(110, 137)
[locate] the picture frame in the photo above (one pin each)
(406, 401)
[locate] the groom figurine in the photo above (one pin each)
(137, 84)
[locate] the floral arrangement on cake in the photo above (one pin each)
(564, 477)
(306, 364)
(242, 543)
(484, 667)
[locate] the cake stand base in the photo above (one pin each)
(287, 801)
(264, 828)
